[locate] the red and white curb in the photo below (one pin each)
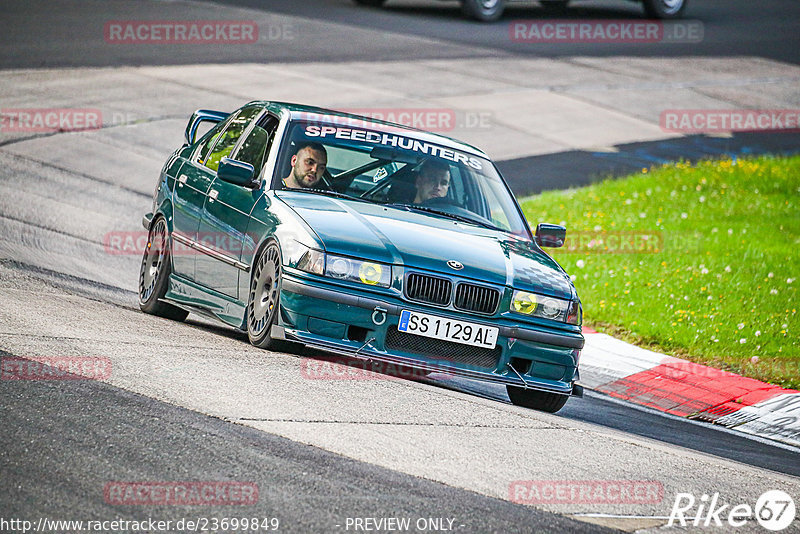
(687, 389)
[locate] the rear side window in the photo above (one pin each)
(211, 137)
(225, 141)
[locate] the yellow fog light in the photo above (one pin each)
(524, 302)
(370, 273)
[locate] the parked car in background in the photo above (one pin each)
(490, 10)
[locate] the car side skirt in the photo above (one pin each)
(199, 299)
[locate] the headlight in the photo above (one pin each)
(535, 305)
(300, 256)
(366, 272)
(304, 258)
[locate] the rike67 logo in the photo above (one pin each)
(774, 510)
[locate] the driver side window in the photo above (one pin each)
(254, 149)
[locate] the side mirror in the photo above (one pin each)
(550, 235)
(201, 115)
(236, 172)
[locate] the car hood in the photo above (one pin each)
(426, 241)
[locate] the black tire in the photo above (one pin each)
(263, 299)
(554, 6)
(537, 400)
(483, 10)
(154, 274)
(665, 9)
(370, 3)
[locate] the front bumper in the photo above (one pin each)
(344, 322)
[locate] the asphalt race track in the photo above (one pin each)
(195, 402)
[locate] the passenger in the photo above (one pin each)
(433, 180)
(308, 166)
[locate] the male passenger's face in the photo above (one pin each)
(433, 184)
(308, 166)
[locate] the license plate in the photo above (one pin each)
(435, 327)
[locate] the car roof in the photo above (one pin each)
(300, 111)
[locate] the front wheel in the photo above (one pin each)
(262, 304)
(154, 274)
(537, 400)
(665, 9)
(483, 10)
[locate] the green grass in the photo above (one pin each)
(721, 284)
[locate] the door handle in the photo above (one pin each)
(181, 180)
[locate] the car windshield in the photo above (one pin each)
(388, 166)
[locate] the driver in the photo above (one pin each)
(433, 180)
(308, 166)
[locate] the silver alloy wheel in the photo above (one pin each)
(264, 291)
(671, 6)
(664, 9)
(483, 10)
(153, 260)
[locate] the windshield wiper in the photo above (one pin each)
(447, 214)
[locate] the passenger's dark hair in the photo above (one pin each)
(433, 166)
(312, 145)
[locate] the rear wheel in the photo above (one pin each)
(371, 3)
(154, 274)
(483, 10)
(262, 304)
(665, 9)
(538, 400)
